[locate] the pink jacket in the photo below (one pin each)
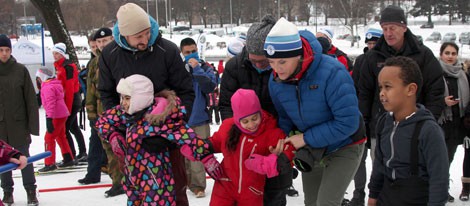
(52, 96)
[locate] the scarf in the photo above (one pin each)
(455, 71)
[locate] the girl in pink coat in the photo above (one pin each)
(52, 96)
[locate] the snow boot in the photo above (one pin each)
(48, 168)
(67, 162)
(356, 202)
(32, 199)
(114, 191)
(450, 198)
(8, 198)
(464, 196)
(292, 192)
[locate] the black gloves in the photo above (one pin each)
(49, 125)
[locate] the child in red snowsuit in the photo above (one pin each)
(52, 95)
(253, 148)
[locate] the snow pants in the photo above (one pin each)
(58, 135)
(225, 193)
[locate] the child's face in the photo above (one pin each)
(251, 123)
(125, 102)
(394, 94)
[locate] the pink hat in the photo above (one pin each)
(244, 103)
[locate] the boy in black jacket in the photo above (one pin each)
(411, 164)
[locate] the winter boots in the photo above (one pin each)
(32, 199)
(48, 168)
(8, 198)
(114, 191)
(464, 196)
(67, 162)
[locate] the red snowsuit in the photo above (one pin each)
(245, 187)
(341, 58)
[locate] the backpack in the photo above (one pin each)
(82, 75)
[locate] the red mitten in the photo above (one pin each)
(265, 165)
(187, 152)
(117, 143)
(213, 167)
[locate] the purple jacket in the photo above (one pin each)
(52, 96)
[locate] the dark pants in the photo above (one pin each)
(96, 155)
(360, 178)
(214, 109)
(71, 126)
(411, 191)
(274, 197)
(29, 181)
(179, 174)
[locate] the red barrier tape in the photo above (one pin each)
(75, 188)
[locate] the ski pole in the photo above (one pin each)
(34, 158)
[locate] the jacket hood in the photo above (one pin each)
(121, 41)
(140, 88)
(421, 114)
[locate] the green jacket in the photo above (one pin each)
(19, 113)
(93, 103)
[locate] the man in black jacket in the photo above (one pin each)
(250, 69)
(397, 40)
(138, 48)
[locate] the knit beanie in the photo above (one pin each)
(140, 88)
(393, 14)
(244, 103)
(102, 32)
(235, 46)
(5, 41)
(257, 33)
(45, 73)
(373, 34)
(328, 32)
(61, 49)
(283, 41)
(325, 44)
(132, 19)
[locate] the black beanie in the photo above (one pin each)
(103, 32)
(325, 44)
(393, 14)
(5, 41)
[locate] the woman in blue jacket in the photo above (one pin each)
(315, 98)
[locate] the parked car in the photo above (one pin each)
(449, 37)
(181, 28)
(435, 36)
(464, 38)
(427, 25)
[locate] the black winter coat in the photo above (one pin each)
(161, 63)
(240, 73)
(432, 90)
(19, 114)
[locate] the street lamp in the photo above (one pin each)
(156, 10)
(278, 9)
(231, 18)
(166, 13)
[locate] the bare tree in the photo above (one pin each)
(50, 10)
(352, 12)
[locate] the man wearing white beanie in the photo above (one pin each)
(138, 48)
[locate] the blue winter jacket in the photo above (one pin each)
(204, 82)
(322, 104)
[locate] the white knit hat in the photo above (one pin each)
(61, 49)
(283, 41)
(235, 46)
(328, 32)
(132, 19)
(140, 88)
(45, 73)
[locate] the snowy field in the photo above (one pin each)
(95, 197)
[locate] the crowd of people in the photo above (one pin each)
(289, 101)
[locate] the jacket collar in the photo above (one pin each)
(411, 46)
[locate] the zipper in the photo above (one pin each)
(240, 166)
(392, 148)
(299, 100)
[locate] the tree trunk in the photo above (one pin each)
(50, 10)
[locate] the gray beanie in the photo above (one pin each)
(257, 34)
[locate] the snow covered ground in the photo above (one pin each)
(95, 197)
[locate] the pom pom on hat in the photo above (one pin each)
(61, 49)
(327, 32)
(283, 41)
(393, 14)
(132, 19)
(103, 32)
(140, 88)
(373, 34)
(5, 41)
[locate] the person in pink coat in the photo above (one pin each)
(52, 96)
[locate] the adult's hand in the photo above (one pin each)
(296, 140)
(21, 162)
(372, 202)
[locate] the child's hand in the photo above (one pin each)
(297, 140)
(212, 167)
(117, 141)
(22, 162)
(279, 148)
